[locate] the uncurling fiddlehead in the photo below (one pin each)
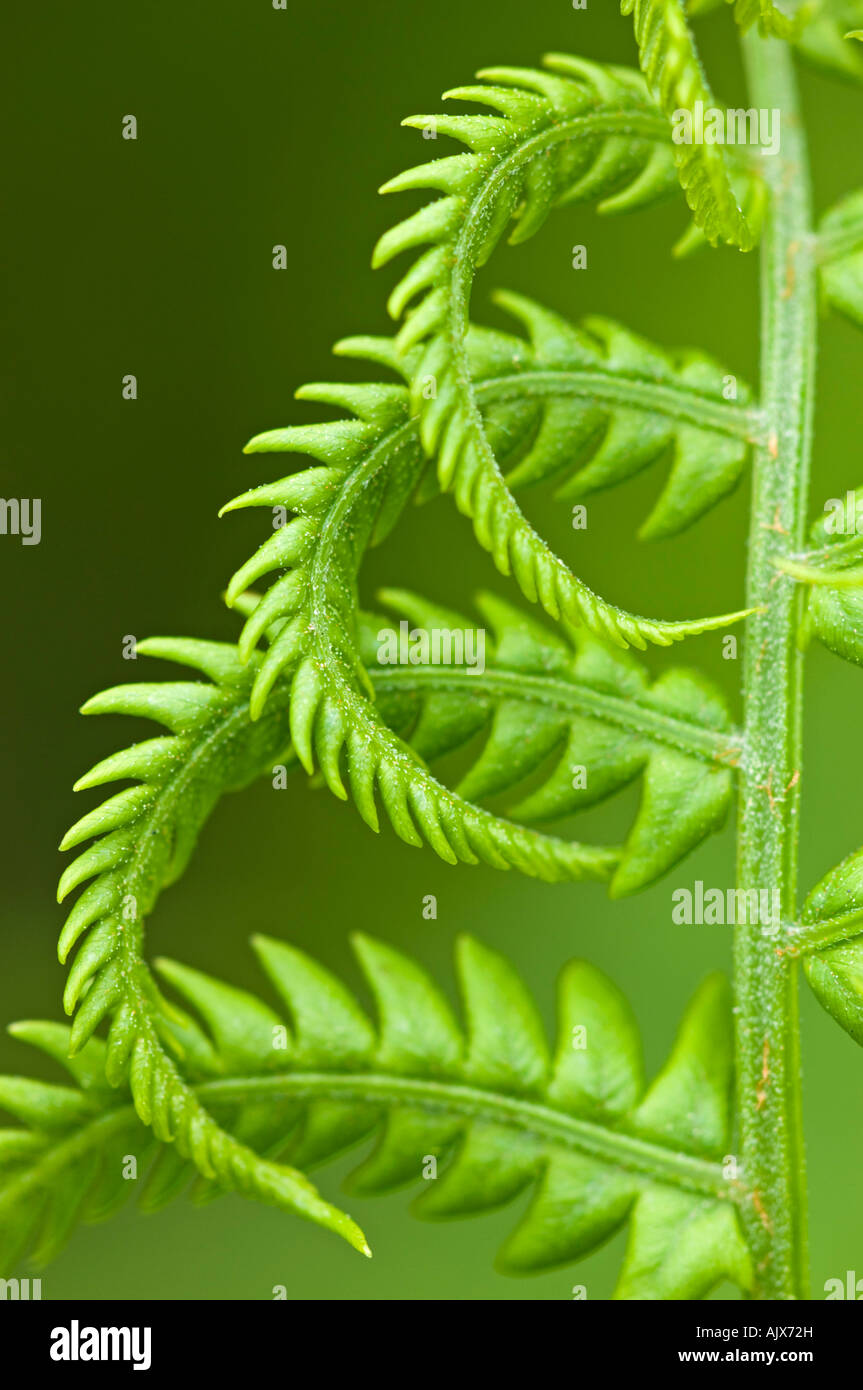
(582, 133)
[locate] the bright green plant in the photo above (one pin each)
(705, 1163)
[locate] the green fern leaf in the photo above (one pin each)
(551, 704)
(833, 573)
(587, 406)
(490, 1102)
(840, 246)
(824, 37)
(333, 723)
(670, 63)
(836, 977)
(836, 973)
(835, 613)
(597, 404)
(145, 836)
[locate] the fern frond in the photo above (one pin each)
(832, 572)
(333, 723)
(840, 250)
(482, 191)
(144, 834)
(143, 837)
(580, 712)
(598, 404)
(670, 63)
(769, 18)
(488, 1102)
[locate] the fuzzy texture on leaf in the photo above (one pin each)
(495, 1108)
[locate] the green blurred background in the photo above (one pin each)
(256, 127)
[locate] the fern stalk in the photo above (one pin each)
(768, 1060)
(625, 1151)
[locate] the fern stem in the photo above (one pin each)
(767, 1042)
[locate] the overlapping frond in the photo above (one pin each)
(575, 133)
(143, 835)
(521, 165)
(670, 63)
(333, 723)
(827, 36)
(833, 912)
(141, 840)
(477, 1112)
(565, 721)
(818, 29)
(587, 406)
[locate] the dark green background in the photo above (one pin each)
(259, 127)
